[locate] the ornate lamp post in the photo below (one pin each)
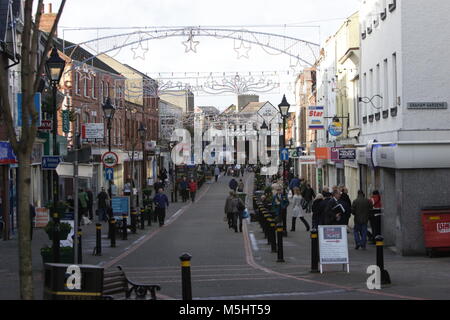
(55, 68)
(284, 110)
(108, 112)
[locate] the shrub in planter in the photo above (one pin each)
(147, 202)
(65, 254)
(59, 207)
(64, 230)
(147, 192)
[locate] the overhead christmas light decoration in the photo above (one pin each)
(190, 44)
(242, 50)
(139, 52)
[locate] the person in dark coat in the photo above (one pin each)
(316, 210)
(347, 204)
(158, 185)
(161, 203)
(321, 208)
(90, 203)
(233, 184)
(361, 209)
(309, 196)
(184, 189)
(102, 200)
(334, 211)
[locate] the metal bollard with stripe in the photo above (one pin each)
(124, 227)
(186, 276)
(314, 251)
(142, 220)
(273, 236)
(133, 220)
(80, 248)
(379, 242)
(113, 232)
(280, 231)
(98, 238)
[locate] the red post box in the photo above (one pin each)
(436, 226)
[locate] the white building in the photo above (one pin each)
(405, 121)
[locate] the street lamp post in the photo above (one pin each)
(108, 111)
(284, 110)
(55, 68)
(142, 135)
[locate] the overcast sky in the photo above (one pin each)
(314, 21)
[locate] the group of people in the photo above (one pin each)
(234, 211)
(188, 188)
(336, 208)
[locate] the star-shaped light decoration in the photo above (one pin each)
(139, 51)
(190, 44)
(242, 50)
(84, 71)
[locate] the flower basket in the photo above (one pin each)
(65, 255)
(64, 230)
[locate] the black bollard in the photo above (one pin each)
(133, 221)
(113, 232)
(280, 231)
(149, 216)
(268, 220)
(273, 236)
(124, 228)
(142, 219)
(55, 236)
(186, 276)
(98, 247)
(80, 247)
(314, 251)
(266, 226)
(379, 242)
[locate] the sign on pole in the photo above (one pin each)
(109, 174)
(110, 159)
(120, 206)
(93, 132)
(50, 162)
(284, 154)
(333, 246)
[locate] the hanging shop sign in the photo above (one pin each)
(315, 118)
(335, 128)
(322, 153)
(347, 154)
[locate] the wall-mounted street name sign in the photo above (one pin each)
(427, 105)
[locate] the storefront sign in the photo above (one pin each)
(93, 132)
(322, 153)
(37, 106)
(65, 121)
(315, 118)
(42, 218)
(347, 154)
(6, 153)
(334, 153)
(333, 245)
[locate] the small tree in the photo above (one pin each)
(22, 145)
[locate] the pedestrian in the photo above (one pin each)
(238, 208)
(240, 187)
(183, 186)
(316, 212)
(217, 173)
(161, 203)
(112, 189)
(82, 207)
(229, 209)
(309, 196)
(326, 192)
(242, 170)
(32, 216)
(347, 204)
(163, 177)
(375, 214)
(193, 189)
(102, 200)
(233, 184)
(294, 183)
(127, 188)
(361, 208)
(334, 210)
(90, 203)
(298, 211)
(279, 203)
(158, 185)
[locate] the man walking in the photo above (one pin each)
(161, 203)
(334, 211)
(233, 185)
(102, 199)
(90, 203)
(360, 209)
(217, 173)
(184, 189)
(83, 206)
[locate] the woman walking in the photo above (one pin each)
(193, 189)
(298, 211)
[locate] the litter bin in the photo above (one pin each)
(436, 226)
(55, 278)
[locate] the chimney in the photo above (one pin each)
(48, 20)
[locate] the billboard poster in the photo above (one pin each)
(315, 118)
(120, 207)
(333, 246)
(322, 153)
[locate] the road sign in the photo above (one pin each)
(110, 159)
(293, 153)
(109, 174)
(284, 154)
(65, 170)
(50, 162)
(120, 206)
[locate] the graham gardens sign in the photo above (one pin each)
(427, 105)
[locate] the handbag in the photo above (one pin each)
(304, 203)
(245, 214)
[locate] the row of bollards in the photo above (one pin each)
(273, 231)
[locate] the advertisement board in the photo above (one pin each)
(347, 154)
(322, 153)
(93, 132)
(120, 206)
(333, 246)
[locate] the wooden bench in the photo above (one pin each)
(115, 282)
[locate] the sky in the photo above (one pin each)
(308, 20)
